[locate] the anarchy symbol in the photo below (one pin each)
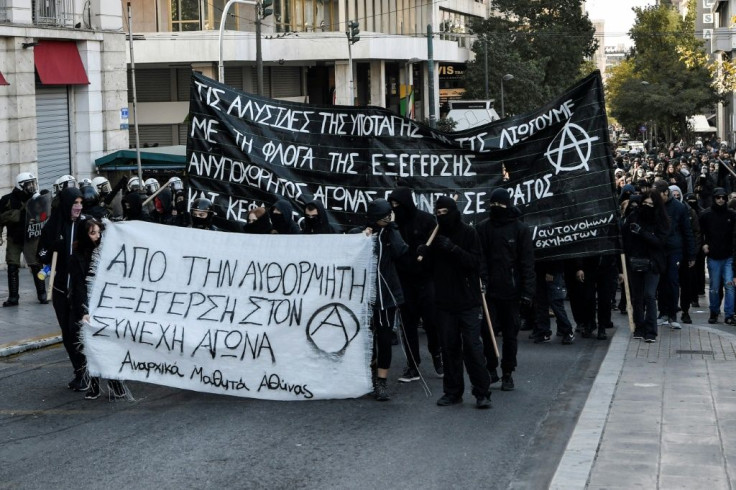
(570, 137)
(332, 328)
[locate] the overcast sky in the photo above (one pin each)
(618, 18)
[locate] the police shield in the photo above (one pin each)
(38, 210)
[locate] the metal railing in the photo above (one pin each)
(54, 13)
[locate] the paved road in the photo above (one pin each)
(170, 438)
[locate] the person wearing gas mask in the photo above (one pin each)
(315, 219)
(13, 209)
(390, 247)
(58, 236)
(456, 257)
(415, 227)
(509, 275)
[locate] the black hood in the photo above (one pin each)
(448, 223)
(133, 206)
(283, 224)
(406, 208)
(66, 201)
(319, 225)
(166, 199)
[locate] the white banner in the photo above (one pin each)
(262, 316)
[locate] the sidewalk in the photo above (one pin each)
(29, 325)
(659, 415)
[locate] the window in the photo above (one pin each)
(185, 15)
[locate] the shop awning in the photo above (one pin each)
(2, 80)
(699, 124)
(160, 158)
(58, 63)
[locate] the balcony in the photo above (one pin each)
(56, 13)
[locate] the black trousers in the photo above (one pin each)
(383, 324)
(506, 319)
(419, 304)
(599, 292)
(69, 332)
(460, 339)
(688, 288)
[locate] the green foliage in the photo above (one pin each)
(658, 84)
(446, 124)
(542, 43)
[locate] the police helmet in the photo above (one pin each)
(134, 184)
(102, 185)
(63, 182)
(176, 184)
(90, 196)
(151, 185)
(27, 182)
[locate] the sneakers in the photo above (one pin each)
(494, 376)
(661, 321)
(116, 389)
(410, 374)
(438, 369)
(730, 320)
(381, 390)
(685, 318)
(448, 400)
(713, 318)
(507, 383)
(602, 335)
(483, 402)
(638, 334)
(675, 326)
(93, 393)
(567, 339)
(78, 384)
(650, 340)
(543, 338)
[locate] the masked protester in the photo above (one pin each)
(415, 227)
(59, 235)
(163, 208)
(203, 214)
(456, 259)
(259, 222)
(13, 218)
(510, 279)
(133, 207)
(315, 219)
(390, 247)
(180, 213)
(645, 231)
(717, 226)
(281, 214)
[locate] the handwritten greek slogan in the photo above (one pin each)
(244, 151)
(260, 316)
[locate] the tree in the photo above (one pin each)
(542, 43)
(665, 79)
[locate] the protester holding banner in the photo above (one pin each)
(58, 237)
(316, 220)
(456, 260)
(416, 227)
(645, 232)
(22, 236)
(259, 222)
(389, 296)
(509, 272)
(282, 218)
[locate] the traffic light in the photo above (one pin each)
(266, 9)
(353, 31)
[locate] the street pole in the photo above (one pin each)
(223, 18)
(350, 68)
(430, 85)
(485, 56)
(259, 53)
(503, 112)
(135, 98)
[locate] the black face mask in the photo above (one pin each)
(312, 222)
(647, 213)
(448, 222)
(278, 220)
(401, 214)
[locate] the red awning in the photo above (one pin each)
(58, 63)
(2, 80)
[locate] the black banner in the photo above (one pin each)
(244, 150)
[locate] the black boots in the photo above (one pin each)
(13, 286)
(40, 285)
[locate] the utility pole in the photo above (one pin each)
(430, 85)
(263, 10)
(353, 34)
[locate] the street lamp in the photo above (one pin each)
(223, 18)
(505, 78)
(409, 112)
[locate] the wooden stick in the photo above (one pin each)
(627, 291)
(487, 314)
(150, 198)
(52, 275)
(429, 242)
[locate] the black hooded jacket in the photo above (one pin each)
(415, 227)
(508, 253)
(319, 226)
(58, 236)
(717, 226)
(284, 223)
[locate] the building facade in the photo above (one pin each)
(304, 52)
(62, 87)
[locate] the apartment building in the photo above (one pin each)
(718, 25)
(304, 54)
(62, 87)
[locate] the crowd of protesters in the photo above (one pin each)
(464, 285)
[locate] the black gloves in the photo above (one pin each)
(422, 250)
(443, 243)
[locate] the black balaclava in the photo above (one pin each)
(447, 222)
(406, 207)
(378, 209)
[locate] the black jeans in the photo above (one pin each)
(505, 318)
(419, 303)
(69, 332)
(599, 291)
(644, 302)
(460, 339)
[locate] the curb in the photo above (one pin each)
(577, 461)
(31, 344)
